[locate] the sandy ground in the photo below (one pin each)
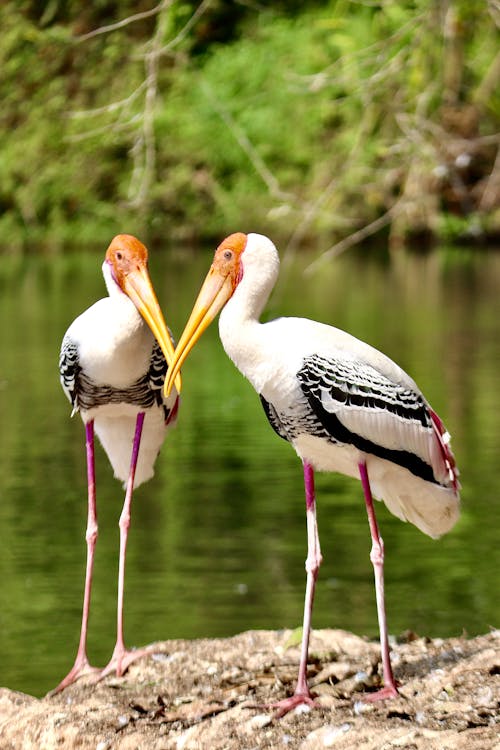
(211, 694)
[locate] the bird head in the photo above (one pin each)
(127, 263)
(224, 275)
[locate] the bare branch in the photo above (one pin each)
(143, 149)
(146, 142)
(124, 22)
(374, 55)
(494, 9)
(113, 126)
(442, 137)
(107, 108)
(200, 10)
(355, 237)
(317, 206)
(310, 213)
(246, 145)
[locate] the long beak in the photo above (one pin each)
(214, 294)
(139, 288)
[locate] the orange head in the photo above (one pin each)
(127, 258)
(222, 279)
(125, 254)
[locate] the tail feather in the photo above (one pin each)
(443, 440)
(430, 507)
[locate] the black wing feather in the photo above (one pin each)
(350, 384)
(157, 372)
(85, 394)
(69, 370)
(354, 384)
(273, 417)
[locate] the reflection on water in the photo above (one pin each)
(218, 536)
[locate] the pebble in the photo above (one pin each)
(258, 722)
(333, 734)
(325, 736)
(362, 707)
(302, 708)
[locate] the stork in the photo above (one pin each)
(112, 370)
(343, 405)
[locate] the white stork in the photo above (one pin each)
(343, 405)
(112, 370)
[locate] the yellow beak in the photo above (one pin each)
(139, 288)
(214, 293)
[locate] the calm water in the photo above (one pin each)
(218, 536)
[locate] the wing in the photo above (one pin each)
(69, 370)
(157, 372)
(273, 418)
(360, 406)
(156, 377)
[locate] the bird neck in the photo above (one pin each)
(128, 320)
(114, 290)
(241, 332)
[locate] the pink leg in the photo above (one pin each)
(313, 561)
(81, 665)
(121, 657)
(377, 557)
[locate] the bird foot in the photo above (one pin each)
(289, 704)
(81, 668)
(121, 660)
(385, 693)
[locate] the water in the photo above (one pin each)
(218, 538)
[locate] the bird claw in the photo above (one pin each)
(81, 668)
(386, 693)
(289, 704)
(121, 660)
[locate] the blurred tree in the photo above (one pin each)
(182, 119)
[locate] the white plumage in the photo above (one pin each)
(271, 354)
(112, 371)
(343, 405)
(115, 347)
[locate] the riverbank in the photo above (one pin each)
(209, 693)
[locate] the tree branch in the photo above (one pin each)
(246, 145)
(355, 237)
(124, 22)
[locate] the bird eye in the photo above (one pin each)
(228, 254)
(119, 256)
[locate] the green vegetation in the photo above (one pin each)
(187, 120)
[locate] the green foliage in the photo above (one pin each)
(299, 120)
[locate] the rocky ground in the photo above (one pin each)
(211, 694)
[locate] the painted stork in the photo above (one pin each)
(112, 370)
(343, 405)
